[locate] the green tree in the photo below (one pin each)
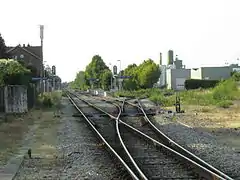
(3, 49)
(105, 79)
(79, 82)
(131, 83)
(148, 73)
(13, 73)
(142, 76)
(95, 69)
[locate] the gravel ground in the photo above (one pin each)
(155, 163)
(202, 144)
(89, 161)
(78, 154)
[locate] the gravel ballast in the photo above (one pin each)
(202, 144)
(85, 159)
(79, 154)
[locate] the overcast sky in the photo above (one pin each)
(201, 32)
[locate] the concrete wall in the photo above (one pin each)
(216, 73)
(196, 73)
(174, 74)
(211, 73)
(162, 80)
(169, 78)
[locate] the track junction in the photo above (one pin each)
(142, 149)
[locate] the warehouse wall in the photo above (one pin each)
(177, 77)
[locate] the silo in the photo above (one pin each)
(170, 57)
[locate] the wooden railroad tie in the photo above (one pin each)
(105, 115)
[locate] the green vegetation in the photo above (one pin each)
(96, 69)
(142, 76)
(50, 99)
(12, 72)
(200, 83)
(222, 95)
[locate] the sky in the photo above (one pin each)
(200, 32)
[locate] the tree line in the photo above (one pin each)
(98, 75)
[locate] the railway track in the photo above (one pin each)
(144, 157)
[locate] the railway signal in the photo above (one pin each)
(54, 70)
(114, 70)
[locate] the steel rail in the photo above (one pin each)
(177, 146)
(132, 174)
(207, 173)
(141, 174)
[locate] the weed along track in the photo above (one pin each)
(135, 144)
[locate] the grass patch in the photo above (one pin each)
(222, 95)
(45, 136)
(225, 104)
(15, 128)
(12, 132)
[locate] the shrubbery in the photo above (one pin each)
(222, 95)
(13, 73)
(199, 83)
(50, 99)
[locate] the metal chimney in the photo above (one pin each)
(170, 57)
(160, 59)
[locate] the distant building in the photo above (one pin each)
(174, 74)
(214, 73)
(30, 55)
(175, 78)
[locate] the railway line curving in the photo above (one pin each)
(159, 158)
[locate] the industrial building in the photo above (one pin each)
(214, 73)
(174, 74)
(176, 78)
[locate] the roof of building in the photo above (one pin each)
(32, 50)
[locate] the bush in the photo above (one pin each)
(50, 99)
(64, 94)
(226, 90)
(225, 104)
(199, 83)
(162, 100)
(235, 76)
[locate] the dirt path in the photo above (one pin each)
(36, 131)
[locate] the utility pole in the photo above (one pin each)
(41, 68)
(120, 74)
(111, 76)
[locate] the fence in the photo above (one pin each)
(31, 95)
(17, 98)
(2, 106)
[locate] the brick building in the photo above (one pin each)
(29, 55)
